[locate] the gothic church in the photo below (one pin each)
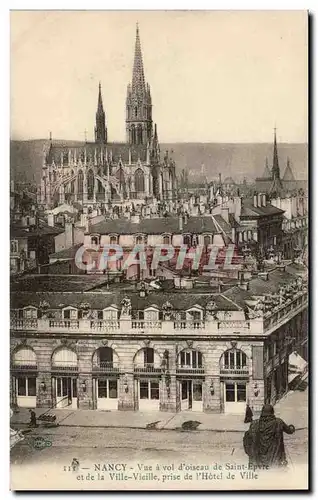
(98, 173)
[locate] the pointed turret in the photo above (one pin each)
(288, 174)
(275, 168)
(100, 128)
(266, 173)
(138, 102)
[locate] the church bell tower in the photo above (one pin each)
(138, 102)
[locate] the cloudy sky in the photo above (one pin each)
(214, 76)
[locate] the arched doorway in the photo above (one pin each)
(64, 379)
(24, 369)
(234, 379)
(105, 367)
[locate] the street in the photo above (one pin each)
(133, 446)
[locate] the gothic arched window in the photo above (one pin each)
(90, 184)
(139, 134)
(139, 181)
(80, 183)
(133, 134)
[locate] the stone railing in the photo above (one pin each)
(24, 324)
(188, 369)
(192, 325)
(105, 325)
(226, 370)
(69, 324)
(147, 368)
(127, 326)
(106, 367)
(148, 325)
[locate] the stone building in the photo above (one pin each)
(95, 174)
(167, 349)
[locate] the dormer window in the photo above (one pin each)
(69, 313)
(30, 313)
(113, 239)
(95, 240)
(187, 240)
(166, 239)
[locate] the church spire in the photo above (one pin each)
(275, 169)
(138, 102)
(100, 128)
(138, 77)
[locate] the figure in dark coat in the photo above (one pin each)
(264, 441)
(248, 415)
(32, 419)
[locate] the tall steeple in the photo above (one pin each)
(138, 102)
(275, 168)
(100, 128)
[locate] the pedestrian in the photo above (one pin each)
(264, 441)
(248, 414)
(32, 419)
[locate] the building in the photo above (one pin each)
(78, 344)
(32, 240)
(273, 183)
(95, 174)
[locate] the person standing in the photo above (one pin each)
(248, 414)
(264, 441)
(32, 419)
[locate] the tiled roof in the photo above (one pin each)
(42, 229)
(161, 225)
(180, 300)
(66, 253)
(39, 283)
(248, 210)
(116, 149)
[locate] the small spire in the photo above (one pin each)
(50, 136)
(138, 78)
(85, 136)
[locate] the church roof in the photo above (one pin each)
(112, 150)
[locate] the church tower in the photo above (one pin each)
(100, 128)
(138, 102)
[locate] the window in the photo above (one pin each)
(110, 314)
(67, 314)
(94, 240)
(230, 393)
(191, 359)
(64, 357)
(234, 360)
(166, 239)
(240, 237)
(148, 356)
(241, 392)
(30, 313)
(139, 181)
(107, 388)
(195, 240)
(14, 246)
(26, 386)
(24, 357)
(148, 389)
(113, 240)
(100, 315)
(151, 315)
(70, 314)
(187, 240)
(139, 240)
(197, 391)
(207, 241)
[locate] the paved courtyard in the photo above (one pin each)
(132, 446)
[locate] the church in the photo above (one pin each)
(96, 174)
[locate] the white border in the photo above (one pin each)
(4, 198)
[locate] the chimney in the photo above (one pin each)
(255, 200)
(69, 234)
(225, 214)
(185, 218)
(263, 200)
(50, 219)
(259, 200)
(244, 285)
(180, 223)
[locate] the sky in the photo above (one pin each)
(215, 76)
